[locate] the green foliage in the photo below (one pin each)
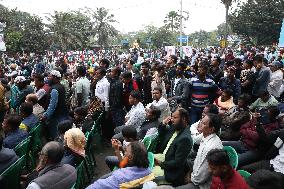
(258, 19)
(102, 22)
(70, 30)
(173, 20)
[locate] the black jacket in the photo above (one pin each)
(182, 93)
(146, 126)
(115, 94)
(175, 158)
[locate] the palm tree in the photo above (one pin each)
(103, 26)
(172, 20)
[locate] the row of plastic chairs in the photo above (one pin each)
(85, 170)
(27, 151)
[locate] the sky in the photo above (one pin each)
(133, 15)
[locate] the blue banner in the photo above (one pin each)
(281, 39)
(183, 39)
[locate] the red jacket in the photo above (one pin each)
(249, 135)
(236, 181)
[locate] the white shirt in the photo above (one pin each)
(140, 60)
(136, 116)
(163, 106)
(275, 83)
(82, 86)
(278, 161)
(176, 82)
(195, 135)
(102, 91)
(33, 185)
(200, 175)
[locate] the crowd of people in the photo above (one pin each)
(192, 106)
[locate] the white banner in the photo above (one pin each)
(187, 51)
(171, 50)
(2, 43)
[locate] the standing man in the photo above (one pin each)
(203, 91)
(276, 79)
(42, 91)
(82, 87)
(116, 97)
(215, 69)
(146, 81)
(171, 72)
(102, 87)
(57, 109)
(180, 89)
(262, 76)
(102, 92)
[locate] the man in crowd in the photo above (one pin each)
(135, 117)
(29, 119)
(203, 91)
(180, 90)
(82, 88)
(230, 82)
(224, 176)
(151, 122)
(263, 76)
(13, 134)
(7, 156)
(42, 91)
(175, 145)
(129, 85)
(50, 172)
(215, 69)
(264, 101)
(116, 97)
(160, 103)
(57, 109)
(276, 79)
(200, 176)
(146, 80)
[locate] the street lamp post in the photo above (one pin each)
(227, 4)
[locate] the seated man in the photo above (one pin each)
(264, 179)
(130, 135)
(160, 103)
(246, 147)
(135, 117)
(264, 101)
(232, 123)
(274, 158)
(195, 134)
(225, 102)
(152, 117)
(136, 172)
(13, 134)
(200, 176)
(52, 174)
(224, 176)
(29, 119)
(7, 156)
(175, 146)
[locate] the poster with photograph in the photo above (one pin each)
(171, 50)
(2, 43)
(187, 51)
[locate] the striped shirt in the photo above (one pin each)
(202, 92)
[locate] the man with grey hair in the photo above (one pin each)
(51, 173)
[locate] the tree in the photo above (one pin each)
(103, 26)
(70, 30)
(173, 19)
(258, 19)
(23, 31)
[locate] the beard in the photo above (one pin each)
(178, 126)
